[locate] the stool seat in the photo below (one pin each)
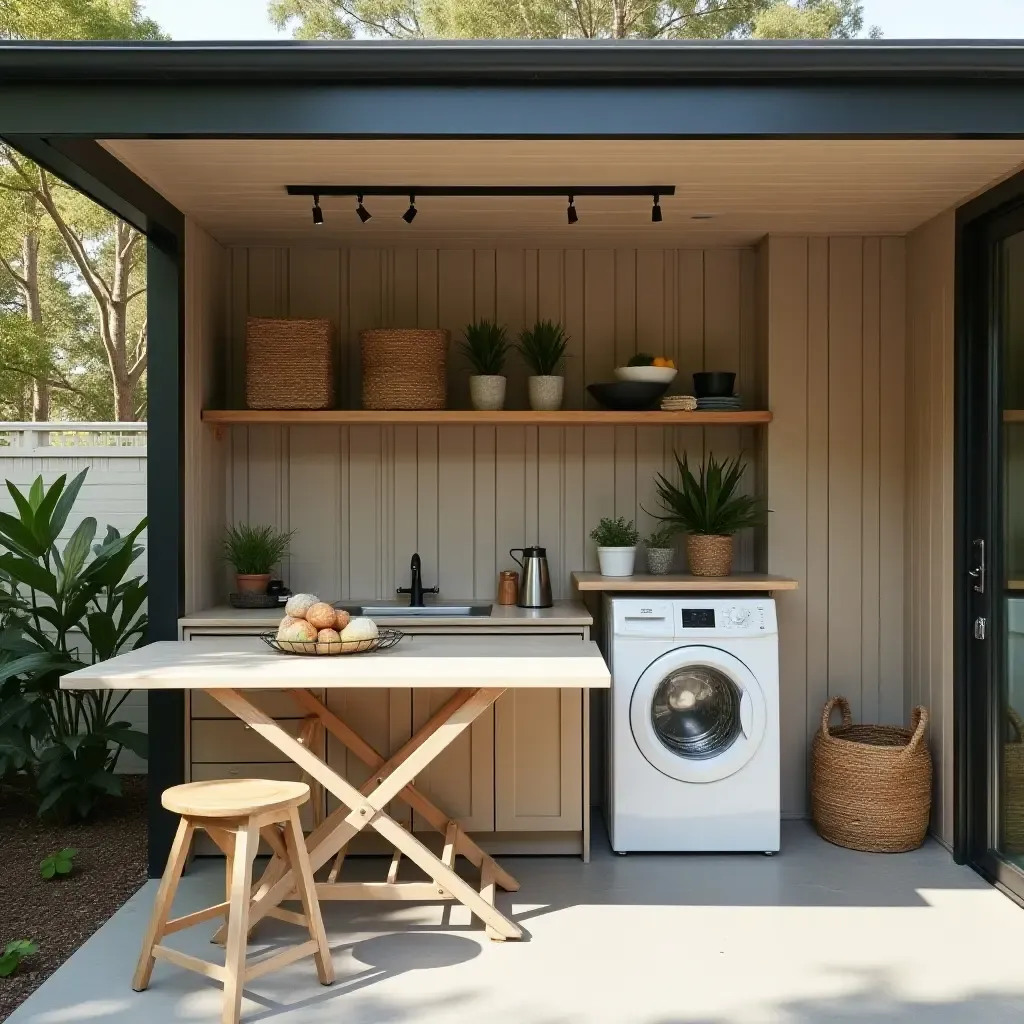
(234, 798)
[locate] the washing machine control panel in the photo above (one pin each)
(694, 618)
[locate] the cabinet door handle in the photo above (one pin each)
(978, 572)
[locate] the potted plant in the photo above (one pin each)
(616, 546)
(709, 509)
(660, 550)
(543, 348)
(485, 346)
(254, 551)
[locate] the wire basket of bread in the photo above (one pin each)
(312, 626)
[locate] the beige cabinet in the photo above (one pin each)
(538, 761)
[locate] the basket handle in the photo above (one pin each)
(833, 702)
(1016, 723)
(919, 723)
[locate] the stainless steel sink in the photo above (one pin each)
(388, 609)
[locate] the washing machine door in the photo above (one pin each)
(698, 714)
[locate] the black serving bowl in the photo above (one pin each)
(713, 385)
(626, 395)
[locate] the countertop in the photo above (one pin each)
(509, 662)
(681, 583)
(562, 613)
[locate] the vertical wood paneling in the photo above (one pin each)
(815, 327)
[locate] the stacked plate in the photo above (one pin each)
(730, 404)
(679, 403)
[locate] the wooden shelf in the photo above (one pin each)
(520, 417)
(1013, 415)
(680, 583)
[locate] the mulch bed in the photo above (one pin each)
(62, 913)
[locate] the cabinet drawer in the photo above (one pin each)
(286, 771)
(228, 641)
(225, 740)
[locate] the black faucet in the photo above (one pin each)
(416, 591)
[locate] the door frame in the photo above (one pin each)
(979, 665)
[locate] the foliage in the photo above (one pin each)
(75, 19)
(662, 537)
(708, 504)
(543, 347)
(14, 952)
(254, 550)
(486, 347)
(567, 19)
(615, 533)
(59, 863)
(53, 600)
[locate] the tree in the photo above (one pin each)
(559, 19)
(104, 251)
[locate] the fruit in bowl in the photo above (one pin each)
(648, 369)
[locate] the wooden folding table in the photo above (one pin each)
(479, 669)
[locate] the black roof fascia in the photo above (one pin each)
(471, 61)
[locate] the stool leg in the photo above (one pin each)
(247, 839)
(162, 904)
(299, 857)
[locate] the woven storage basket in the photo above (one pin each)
(289, 364)
(1012, 798)
(403, 368)
(871, 785)
(709, 555)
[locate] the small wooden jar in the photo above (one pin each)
(508, 586)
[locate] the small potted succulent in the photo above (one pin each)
(485, 346)
(616, 546)
(253, 551)
(660, 550)
(710, 510)
(543, 349)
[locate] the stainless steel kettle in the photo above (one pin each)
(535, 588)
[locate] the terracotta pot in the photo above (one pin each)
(709, 555)
(487, 391)
(251, 583)
(659, 561)
(546, 393)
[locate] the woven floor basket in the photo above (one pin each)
(871, 785)
(289, 364)
(709, 555)
(403, 368)
(1012, 798)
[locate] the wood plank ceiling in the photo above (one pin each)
(234, 188)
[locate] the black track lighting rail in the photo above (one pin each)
(480, 190)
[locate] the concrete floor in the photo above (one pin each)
(816, 934)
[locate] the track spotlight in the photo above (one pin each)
(656, 210)
(361, 211)
(410, 215)
(571, 213)
(318, 214)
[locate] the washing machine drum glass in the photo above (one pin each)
(696, 712)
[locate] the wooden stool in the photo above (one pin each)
(235, 813)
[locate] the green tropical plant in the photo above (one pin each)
(61, 610)
(615, 533)
(708, 503)
(486, 346)
(254, 550)
(14, 952)
(59, 863)
(662, 537)
(543, 347)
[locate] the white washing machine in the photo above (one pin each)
(694, 724)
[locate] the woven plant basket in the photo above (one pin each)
(289, 364)
(1012, 798)
(709, 555)
(871, 785)
(404, 369)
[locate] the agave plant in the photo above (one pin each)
(485, 345)
(708, 503)
(543, 347)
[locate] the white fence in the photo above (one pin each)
(114, 491)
